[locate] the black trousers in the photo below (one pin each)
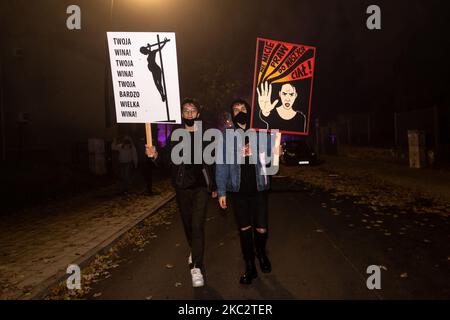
(250, 209)
(192, 204)
(147, 170)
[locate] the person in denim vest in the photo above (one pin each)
(247, 185)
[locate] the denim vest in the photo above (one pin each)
(228, 176)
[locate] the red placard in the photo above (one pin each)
(282, 86)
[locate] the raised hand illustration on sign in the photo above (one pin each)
(283, 80)
(264, 97)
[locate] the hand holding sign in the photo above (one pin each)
(223, 202)
(264, 95)
(150, 151)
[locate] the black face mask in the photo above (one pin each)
(189, 122)
(241, 118)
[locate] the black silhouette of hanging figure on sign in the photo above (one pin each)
(157, 72)
(153, 67)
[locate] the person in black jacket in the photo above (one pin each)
(192, 182)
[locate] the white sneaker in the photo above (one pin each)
(197, 278)
(190, 259)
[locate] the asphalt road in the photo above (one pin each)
(320, 247)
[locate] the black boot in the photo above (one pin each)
(260, 243)
(250, 273)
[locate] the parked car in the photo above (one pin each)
(298, 152)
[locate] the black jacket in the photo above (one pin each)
(180, 179)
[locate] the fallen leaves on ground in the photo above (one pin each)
(138, 237)
(367, 189)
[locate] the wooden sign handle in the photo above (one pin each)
(148, 134)
(276, 159)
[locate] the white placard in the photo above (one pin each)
(145, 77)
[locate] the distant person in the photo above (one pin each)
(283, 117)
(127, 159)
(153, 67)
